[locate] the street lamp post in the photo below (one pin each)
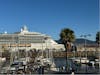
(85, 43)
(46, 41)
(42, 46)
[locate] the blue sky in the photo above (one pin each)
(50, 16)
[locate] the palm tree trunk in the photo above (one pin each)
(65, 45)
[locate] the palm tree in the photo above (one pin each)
(67, 37)
(98, 44)
(98, 38)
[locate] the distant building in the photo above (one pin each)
(28, 40)
(88, 47)
(85, 44)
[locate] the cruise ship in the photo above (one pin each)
(28, 40)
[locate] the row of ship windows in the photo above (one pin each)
(31, 41)
(22, 37)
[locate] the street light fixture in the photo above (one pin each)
(85, 43)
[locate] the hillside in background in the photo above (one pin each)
(80, 41)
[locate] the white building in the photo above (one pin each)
(28, 40)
